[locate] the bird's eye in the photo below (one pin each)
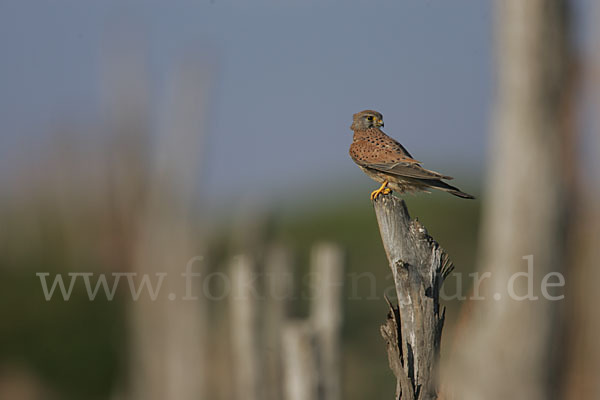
(369, 118)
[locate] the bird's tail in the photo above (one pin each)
(433, 183)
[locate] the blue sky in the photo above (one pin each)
(288, 75)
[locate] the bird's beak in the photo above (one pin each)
(379, 123)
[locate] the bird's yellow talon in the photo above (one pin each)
(382, 189)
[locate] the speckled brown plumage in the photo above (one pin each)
(388, 162)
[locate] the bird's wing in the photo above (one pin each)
(394, 160)
(408, 169)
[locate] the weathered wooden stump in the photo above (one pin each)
(413, 329)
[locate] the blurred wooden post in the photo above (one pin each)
(327, 271)
(244, 330)
(300, 373)
(514, 328)
(311, 348)
(413, 330)
(168, 336)
(278, 289)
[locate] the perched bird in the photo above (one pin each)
(389, 163)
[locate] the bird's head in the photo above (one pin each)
(366, 119)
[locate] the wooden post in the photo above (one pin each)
(279, 285)
(327, 271)
(525, 215)
(169, 336)
(245, 330)
(311, 347)
(413, 330)
(300, 375)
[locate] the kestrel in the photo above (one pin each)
(389, 163)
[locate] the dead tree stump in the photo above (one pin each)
(413, 329)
